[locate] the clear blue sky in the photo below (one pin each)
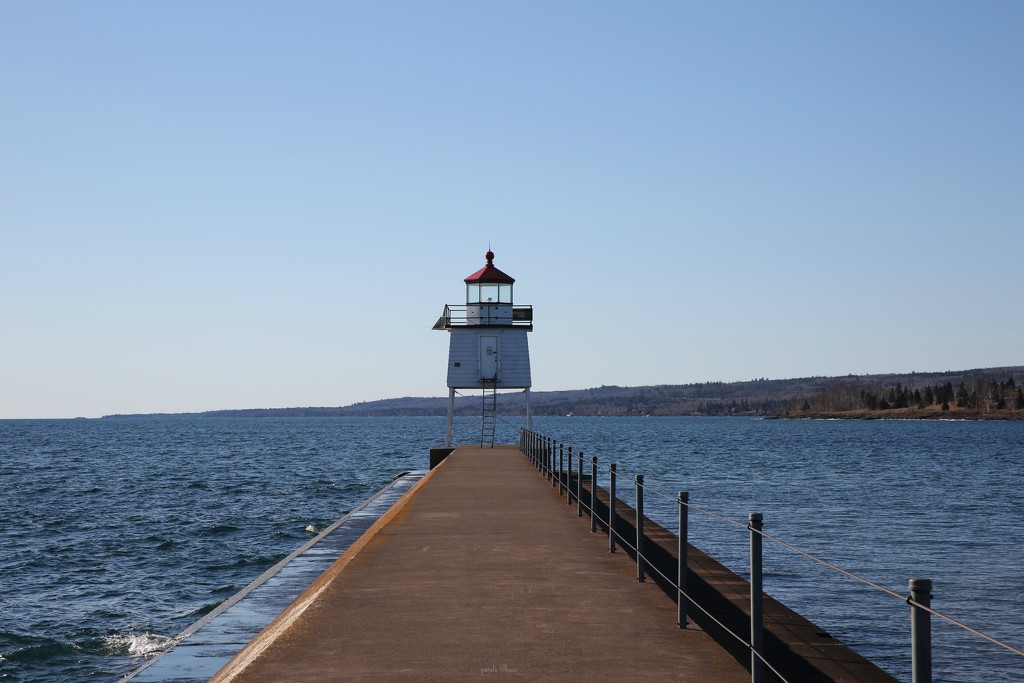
(252, 204)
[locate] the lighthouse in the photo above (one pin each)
(487, 348)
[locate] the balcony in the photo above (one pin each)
(485, 315)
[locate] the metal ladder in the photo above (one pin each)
(488, 413)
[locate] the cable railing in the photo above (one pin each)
(549, 457)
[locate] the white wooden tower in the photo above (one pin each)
(487, 347)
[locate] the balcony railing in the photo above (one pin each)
(485, 314)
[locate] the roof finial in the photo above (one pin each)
(490, 254)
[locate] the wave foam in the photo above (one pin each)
(137, 645)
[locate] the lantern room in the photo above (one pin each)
(489, 295)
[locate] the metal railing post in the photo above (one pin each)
(593, 494)
(921, 631)
(683, 603)
(544, 456)
(756, 523)
(561, 467)
(579, 485)
(568, 477)
(611, 508)
(548, 456)
(555, 477)
(640, 528)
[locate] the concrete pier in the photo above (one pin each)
(480, 572)
(206, 646)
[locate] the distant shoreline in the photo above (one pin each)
(895, 414)
(978, 394)
(929, 413)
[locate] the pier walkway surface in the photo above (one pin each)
(480, 573)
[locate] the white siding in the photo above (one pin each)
(513, 357)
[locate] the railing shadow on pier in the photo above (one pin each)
(771, 640)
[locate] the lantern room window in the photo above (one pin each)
(488, 293)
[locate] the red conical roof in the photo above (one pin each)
(490, 274)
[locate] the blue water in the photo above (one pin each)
(117, 534)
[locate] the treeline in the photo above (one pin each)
(741, 407)
(755, 397)
(980, 395)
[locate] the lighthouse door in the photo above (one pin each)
(489, 357)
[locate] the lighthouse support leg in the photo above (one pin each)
(451, 414)
(529, 415)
